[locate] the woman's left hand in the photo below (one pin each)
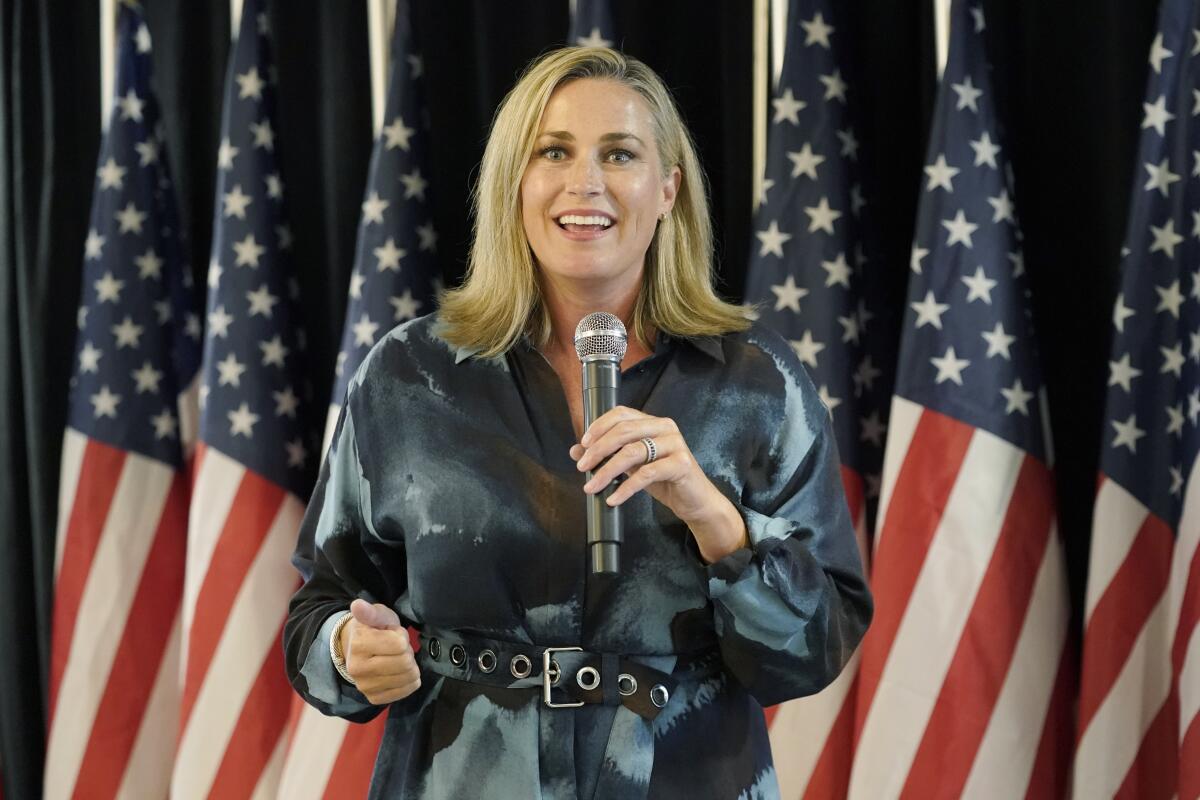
(673, 478)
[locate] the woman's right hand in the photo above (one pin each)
(378, 654)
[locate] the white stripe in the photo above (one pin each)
(1119, 517)
(800, 729)
(1010, 744)
(902, 424)
(1110, 743)
(1188, 535)
(313, 751)
(267, 787)
(1189, 683)
(937, 611)
(108, 591)
(251, 634)
(148, 773)
(74, 443)
(212, 498)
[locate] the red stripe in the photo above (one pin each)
(1189, 615)
(1189, 762)
(1052, 767)
(919, 497)
(831, 774)
(769, 714)
(139, 655)
(99, 471)
(262, 722)
(1155, 770)
(989, 639)
(351, 773)
(250, 518)
(1121, 612)
(852, 485)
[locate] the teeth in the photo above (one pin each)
(576, 219)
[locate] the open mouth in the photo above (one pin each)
(579, 223)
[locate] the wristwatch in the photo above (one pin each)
(335, 647)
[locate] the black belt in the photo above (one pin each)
(567, 677)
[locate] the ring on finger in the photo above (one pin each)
(651, 449)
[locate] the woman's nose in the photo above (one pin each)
(586, 178)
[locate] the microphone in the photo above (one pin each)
(600, 342)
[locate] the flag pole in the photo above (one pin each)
(235, 18)
(941, 32)
(108, 46)
(381, 16)
(758, 155)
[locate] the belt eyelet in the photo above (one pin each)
(659, 695)
(626, 684)
(520, 666)
(458, 655)
(486, 661)
(593, 678)
(435, 649)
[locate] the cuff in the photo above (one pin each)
(324, 682)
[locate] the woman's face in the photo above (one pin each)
(594, 187)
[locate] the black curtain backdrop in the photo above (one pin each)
(1069, 73)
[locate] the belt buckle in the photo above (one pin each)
(546, 662)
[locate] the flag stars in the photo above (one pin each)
(1016, 398)
(929, 311)
(108, 288)
(242, 421)
(914, 261)
(1127, 433)
(816, 31)
(264, 137)
(127, 333)
(247, 252)
(388, 256)
(1194, 406)
(1158, 53)
(850, 328)
(356, 283)
(81, 317)
(998, 342)
(191, 326)
(284, 235)
(142, 39)
(787, 107)
(871, 429)
(1122, 372)
(250, 84)
(985, 151)
(788, 295)
(373, 207)
(959, 230)
(949, 367)
(147, 152)
(1176, 479)
(404, 306)
(1194, 351)
(968, 95)
(821, 217)
(1175, 419)
(772, 240)
(1002, 207)
(428, 238)
(261, 301)
(111, 174)
(865, 376)
(131, 106)
(838, 271)
(397, 134)
(147, 378)
(1169, 298)
(829, 401)
(940, 175)
(164, 424)
(226, 153)
(1161, 177)
(805, 162)
(89, 358)
(979, 287)
(274, 186)
(273, 352)
(414, 185)
(104, 403)
(286, 403)
(162, 310)
(218, 322)
(1121, 312)
(849, 144)
(149, 265)
(807, 348)
(130, 219)
(93, 246)
(364, 331)
(835, 87)
(296, 453)
(236, 202)
(1173, 359)
(1156, 115)
(977, 13)
(230, 370)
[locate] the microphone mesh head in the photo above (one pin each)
(600, 335)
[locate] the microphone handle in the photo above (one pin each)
(601, 379)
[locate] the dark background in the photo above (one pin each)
(1069, 75)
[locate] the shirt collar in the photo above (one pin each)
(709, 345)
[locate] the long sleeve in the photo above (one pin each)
(790, 610)
(339, 555)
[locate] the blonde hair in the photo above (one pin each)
(500, 299)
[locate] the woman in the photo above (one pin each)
(452, 499)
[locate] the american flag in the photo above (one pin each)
(255, 459)
(810, 276)
(1139, 728)
(964, 688)
(122, 532)
(395, 278)
(591, 24)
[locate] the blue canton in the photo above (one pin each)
(395, 275)
(592, 24)
(967, 349)
(254, 390)
(809, 270)
(1153, 404)
(138, 346)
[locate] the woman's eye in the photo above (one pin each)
(554, 153)
(620, 156)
